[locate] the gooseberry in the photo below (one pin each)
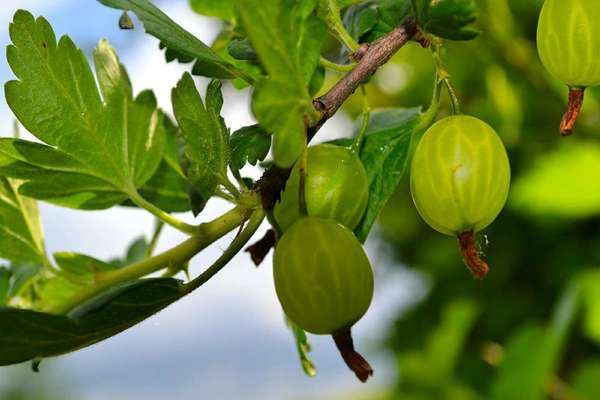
(568, 41)
(324, 283)
(459, 180)
(336, 187)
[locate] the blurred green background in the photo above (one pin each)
(531, 329)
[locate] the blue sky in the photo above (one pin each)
(228, 340)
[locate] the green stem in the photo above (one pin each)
(336, 26)
(234, 248)
(230, 187)
(155, 235)
(366, 115)
(206, 234)
(162, 215)
(336, 67)
(443, 76)
(453, 96)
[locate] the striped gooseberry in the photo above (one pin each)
(336, 187)
(568, 42)
(324, 282)
(460, 178)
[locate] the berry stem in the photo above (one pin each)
(479, 268)
(570, 118)
(354, 361)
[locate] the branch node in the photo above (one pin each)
(479, 268)
(570, 118)
(356, 362)
(360, 52)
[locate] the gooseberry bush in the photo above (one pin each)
(102, 145)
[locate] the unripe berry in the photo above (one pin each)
(568, 41)
(336, 187)
(323, 277)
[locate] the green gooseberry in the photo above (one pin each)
(336, 187)
(460, 179)
(568, 42)
(323, 277)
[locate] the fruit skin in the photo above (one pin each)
(460, 175)
(568, 41)
(323, 277)
(336, 188)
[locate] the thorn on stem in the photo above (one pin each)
(570, 118)
(479, 268)
(352, 358)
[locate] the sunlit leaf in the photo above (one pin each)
(182, 44)
(99, 147)
(385, 155)
(207, 137)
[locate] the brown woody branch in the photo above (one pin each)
(377, 54)
(371, 57)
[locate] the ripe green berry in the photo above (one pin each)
(460, 175)
(460, 179)
(568, 41)
(323, 277)
(336, 187)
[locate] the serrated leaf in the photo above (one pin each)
(385, 154)
(181, 44)
(249, 144)
(168, 188)
(21, 238)
(221, 9)
(288, 43)
(99, 147)
(28, 335)
(207, 137)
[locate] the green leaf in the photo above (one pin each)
(591, 300)
(288, 44)
(27, 335)
(435, 365)
(5, 275)
(168, 188)
(99, 147)
(221, 9)
(303, 348)
(207, 137)
(585, 380)
(448, 19)
(21, 238)
(249, 144)
(182, 44)
(385, 154)
(81, 265)
(135, 252)
(533, 354)
(22, 276)
(548, 187)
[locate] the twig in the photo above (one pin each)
(375, 55)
